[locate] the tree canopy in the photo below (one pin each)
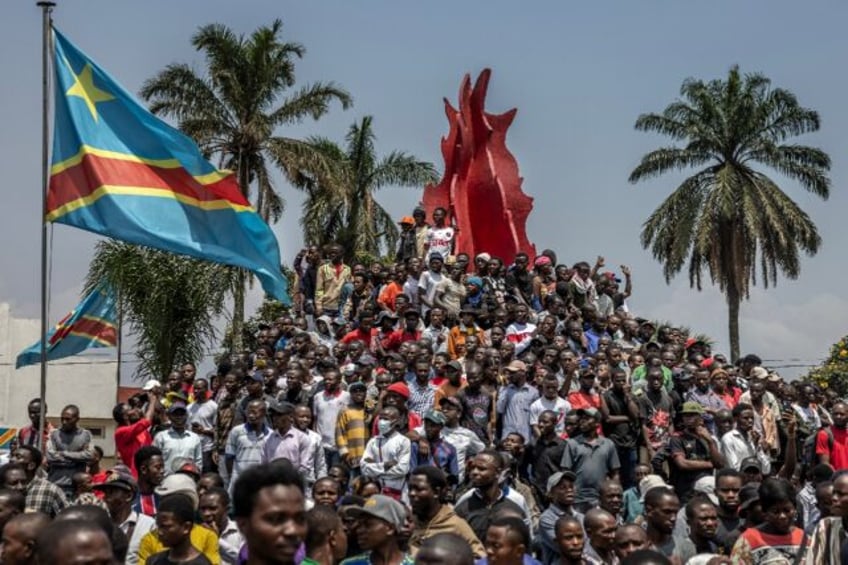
(729, 219)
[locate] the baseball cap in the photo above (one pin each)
(280, 407)
(382, 507)
(774, 378)
(678, 374)
(358, 385)
(385, 316)
(706, 485)
(365, 361)
(256, 376)
(348, 369)
(455, 365)
(751, 463)
(651, 482)
(186, 466)
(611, 276)
(179, 483)
(452, 400)
(400, 389)
(557, 477)
(407, 220)
(591, 412)
(759, 373)
(116, 479)
(177, 405)
(748, 495)
(691, 408)
(436, 417)
(516, 365)
(150, 385)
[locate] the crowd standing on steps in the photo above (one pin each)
(445, 409)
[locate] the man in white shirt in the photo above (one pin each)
(203, 419)
(429, 282)
(317, 460)
(743, 442)
(387, 456)
(550, 400)
(440, 237)
(326, 406)
(521, 331)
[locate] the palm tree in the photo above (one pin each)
(169, 301)
(730, 218)
(346, 211)
(235, 111)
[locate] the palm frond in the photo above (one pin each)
(402, 169)
(668, 159)
(313, 100)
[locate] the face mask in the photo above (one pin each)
(384, 426)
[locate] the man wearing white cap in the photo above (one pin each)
(560, 490)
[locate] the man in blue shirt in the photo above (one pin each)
(433, 449)
(514, 402)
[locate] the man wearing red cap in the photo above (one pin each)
(397, 395)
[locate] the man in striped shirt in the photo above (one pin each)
(246, 442)
(351, 429)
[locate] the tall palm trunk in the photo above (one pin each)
(733, 301)
(238, 291)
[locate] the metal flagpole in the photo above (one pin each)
(46, 10)
(120, 342)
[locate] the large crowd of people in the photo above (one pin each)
(446, 409)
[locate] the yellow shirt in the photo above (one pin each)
(202, 538)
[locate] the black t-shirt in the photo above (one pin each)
(623, 435)
(693, 448)
(163, 559)
(479, 515)
(727, 532)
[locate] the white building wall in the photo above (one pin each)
(87, 380)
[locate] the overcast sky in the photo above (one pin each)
(579, 74)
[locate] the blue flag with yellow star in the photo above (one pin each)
(119, 171)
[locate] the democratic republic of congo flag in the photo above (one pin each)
(91, 324)
(119, 171)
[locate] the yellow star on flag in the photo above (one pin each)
(84, 88)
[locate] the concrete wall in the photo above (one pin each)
(87, 380)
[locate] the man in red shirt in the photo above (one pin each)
(409, 332)
(133, 430)
(832, 444)
(586, 397)
(365, 332)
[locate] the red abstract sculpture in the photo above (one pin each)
(481, 188)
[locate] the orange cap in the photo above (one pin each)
(406, 220)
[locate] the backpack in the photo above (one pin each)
(808, 449)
